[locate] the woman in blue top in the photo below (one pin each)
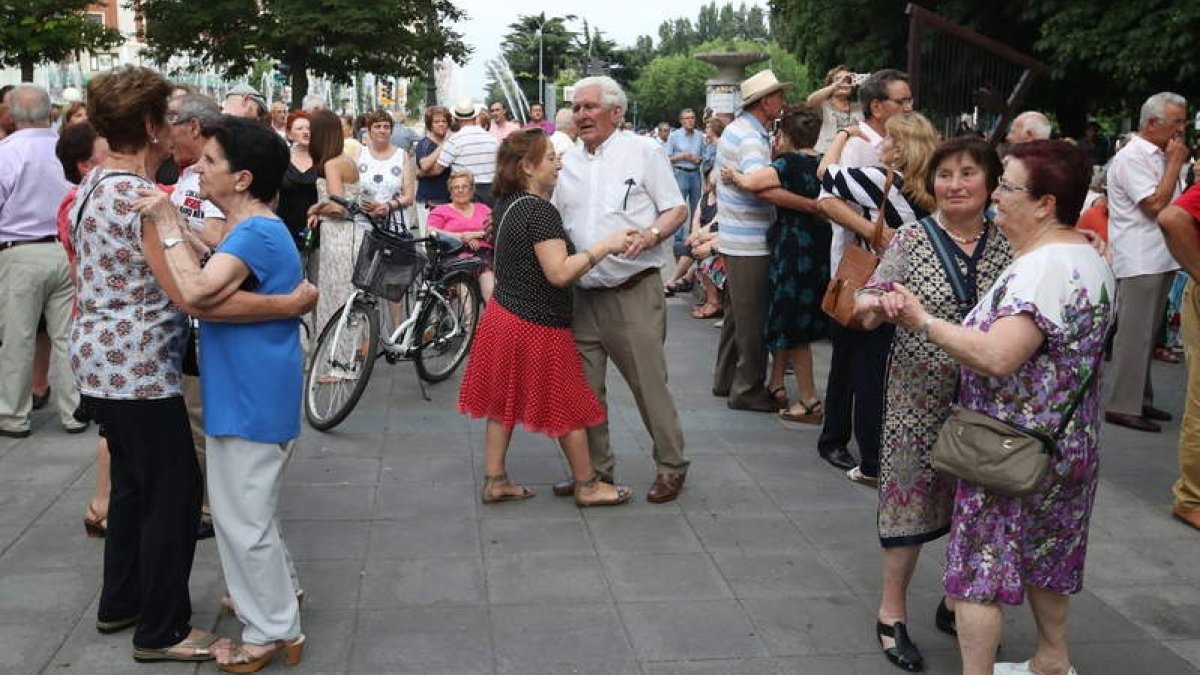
(251, 384)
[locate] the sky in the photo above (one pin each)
(619, 20)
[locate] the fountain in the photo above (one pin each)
(723, 92)
(504, 75)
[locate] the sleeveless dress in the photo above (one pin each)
(340, 240)
(382, 179)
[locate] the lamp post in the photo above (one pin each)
(541, 75)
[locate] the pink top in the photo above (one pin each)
(446, 218)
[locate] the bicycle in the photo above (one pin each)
(443, 301)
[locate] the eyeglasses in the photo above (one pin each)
(175, 118)
(902, 101)
(1006, 186)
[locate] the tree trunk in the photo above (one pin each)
(299, 72)
(27, 71)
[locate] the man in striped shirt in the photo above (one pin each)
(742, 355)
(472, 149)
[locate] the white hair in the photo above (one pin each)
(1034, 124)
(29, 106)
(611, 94)
(313, 102)
(564, 119)
(1155, 107)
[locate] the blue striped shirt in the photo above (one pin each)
(744, 218)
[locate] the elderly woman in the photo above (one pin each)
(468, 220)
(922, 379)
(74, 114)
(1029, 349)
(338, 175)
(249, 426)
(524, 366)
(432, 188)
(126, 350)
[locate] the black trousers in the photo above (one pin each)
(152, 514)
(854, 395)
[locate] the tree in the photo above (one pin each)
(559, 48)
(36, 31)
(333, 38)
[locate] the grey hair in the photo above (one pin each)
(1155, 107)
(313, 102)
(1035, 124)
(876, 87)
(564, 119)
(611, 94)
(199, 107)
(29, 106)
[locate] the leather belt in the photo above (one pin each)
(684, 168)
(4, 246)
(625, 285)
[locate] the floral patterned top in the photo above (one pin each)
(999, 545)
(127, 341)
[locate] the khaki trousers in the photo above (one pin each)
(195, 412)
(35, 279)
(742, 352)
(1141, 307)
(1187, 488)
(629, 326)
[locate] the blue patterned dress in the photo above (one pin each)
(1000, 544)
(799, 267)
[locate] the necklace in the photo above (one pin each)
(937, 218)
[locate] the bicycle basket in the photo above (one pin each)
(387, 265)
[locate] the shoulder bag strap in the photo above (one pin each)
(496, 236)
(938, 242)
(880, 218)
(88, 196)
(1066, 418)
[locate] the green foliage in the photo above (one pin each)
(333, 38)
(681, 36)
(35, 31)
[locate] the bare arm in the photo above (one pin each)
(428, 166)
(408, 192)
(789, 200)
(1177, 153)
(1179, 228)
(834, 154)
(818, 96)
(843, 214)
(759, 179)
(562, 270)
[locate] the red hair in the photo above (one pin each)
(293, 116)
(1056, 168)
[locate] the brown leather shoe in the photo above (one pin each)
(1135, 422)
(1155, 414)
(1187, 516)
(666, 488)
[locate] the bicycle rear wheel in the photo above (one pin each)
(446, 331)
(338, 373)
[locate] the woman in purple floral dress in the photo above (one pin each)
(1028, 348)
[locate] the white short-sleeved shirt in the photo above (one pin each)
(1137, 245)
(856, 153)
(745, 219)
(626, 183)
(186, 197)
(471, 149)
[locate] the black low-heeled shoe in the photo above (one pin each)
(944, 619)
(904, 654)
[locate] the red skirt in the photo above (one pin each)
(520, 371)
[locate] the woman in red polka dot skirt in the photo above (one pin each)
(524, 367)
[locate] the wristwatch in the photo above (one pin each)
(657, 234)
(171, 242)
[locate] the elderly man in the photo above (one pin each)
(312, 103)
(279, 113)
(537, 118)
(745, 146)
(564, 135)
(1180, 223)
(854, 393)
(471, 149)
(34, 275)
(1030, 125)
(617, 181)
(501, 127)
(1143, 178)
(245, 101)
(685, 146)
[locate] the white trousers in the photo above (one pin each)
(244, 478)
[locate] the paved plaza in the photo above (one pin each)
(768, 563)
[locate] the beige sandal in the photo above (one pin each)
(488, 496)
(194, 649)
(242, 662)
(623, 495)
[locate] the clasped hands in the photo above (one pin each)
(895, 304)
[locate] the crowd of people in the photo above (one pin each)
(164, 239)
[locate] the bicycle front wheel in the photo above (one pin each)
(341, 365)
(446, 330)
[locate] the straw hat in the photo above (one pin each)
(464, 109)
(761, 84)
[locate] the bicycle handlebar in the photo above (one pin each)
(380, 225)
